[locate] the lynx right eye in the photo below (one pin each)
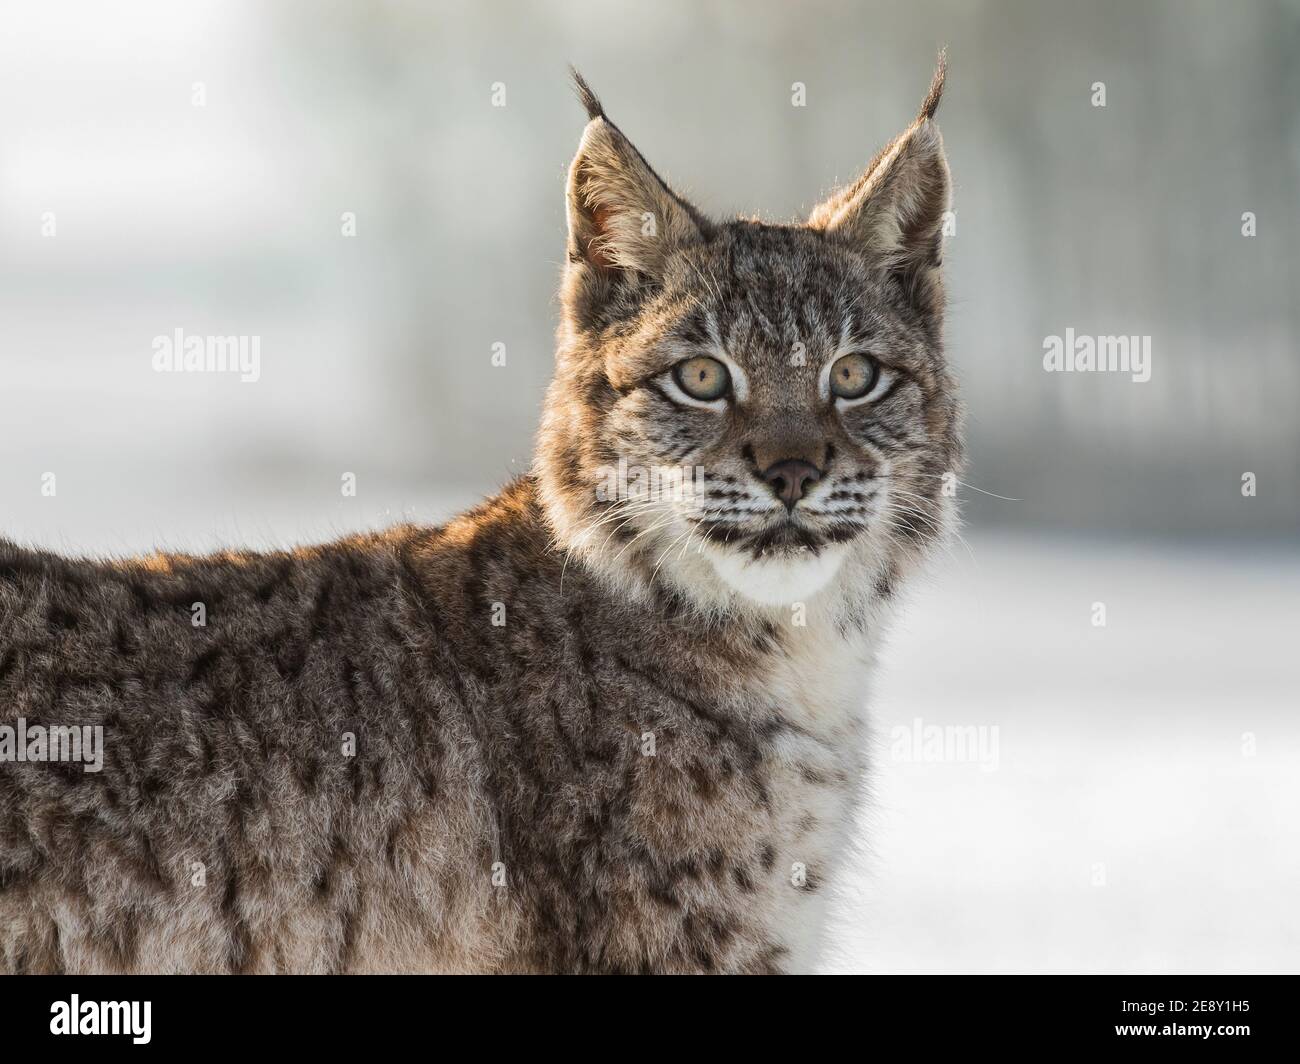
(702, 378)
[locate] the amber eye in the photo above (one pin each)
(853, 376)
(702, 378)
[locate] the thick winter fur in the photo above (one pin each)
(569, 731)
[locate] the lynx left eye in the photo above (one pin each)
(702, 378)
(853, 376)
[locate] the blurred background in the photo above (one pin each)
(340, 181)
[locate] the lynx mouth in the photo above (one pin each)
(786, 538)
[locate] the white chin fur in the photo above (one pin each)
(778, 580)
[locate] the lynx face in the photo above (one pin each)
(773, 398)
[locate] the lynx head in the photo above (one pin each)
(750, 408)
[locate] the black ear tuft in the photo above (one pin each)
(585, 96)
(935, 94)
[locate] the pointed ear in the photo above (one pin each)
(623, 218)
(894, 212)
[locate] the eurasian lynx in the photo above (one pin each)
(609, 721)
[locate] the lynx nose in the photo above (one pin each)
(791, 479)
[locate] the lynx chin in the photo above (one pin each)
(572, 730)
